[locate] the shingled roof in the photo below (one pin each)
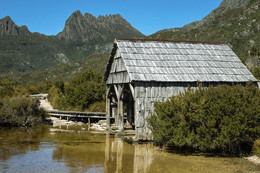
(166, 61)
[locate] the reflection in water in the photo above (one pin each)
(78, 151)
(123, 157)
(143, 158)
(38, 150)
(118, 147)
(107, 152)
(113, 154)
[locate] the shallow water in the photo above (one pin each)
(38, 150)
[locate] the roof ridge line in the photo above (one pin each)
(159, 40)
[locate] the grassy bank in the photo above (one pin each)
(256, 148)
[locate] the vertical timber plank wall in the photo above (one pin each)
(145, 96)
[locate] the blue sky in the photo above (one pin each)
(148, 16)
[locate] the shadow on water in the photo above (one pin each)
(39, 150)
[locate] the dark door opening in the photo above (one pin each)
(128, 106)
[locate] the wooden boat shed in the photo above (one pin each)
(141, 72)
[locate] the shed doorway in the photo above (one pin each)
(128, 108)
(121, 106)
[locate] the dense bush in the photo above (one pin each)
(20, 111)
(79, 93)
(97, 107)
(55, 98)
(7, 88)
(84, 90)
(38, 88)
(16, 109)
(256, 72)
(224, 119)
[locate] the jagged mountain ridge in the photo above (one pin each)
(21, 50)
(88, 28)
(8, 27)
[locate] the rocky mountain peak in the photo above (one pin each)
(77, 14)
(102, 28)
(89, 16)
(23, 30)
(7, 18)
(8, 27)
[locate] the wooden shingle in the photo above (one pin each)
(180, 62)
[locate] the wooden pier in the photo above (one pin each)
(89, 116)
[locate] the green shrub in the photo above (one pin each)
(256, 72)
(97, 107)
(7, 88)
(79, 93)
(38, 88)
(21, 111)
(54, 97)
(223, 119)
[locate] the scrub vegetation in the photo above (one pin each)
(83, 92)
(16, 108)
(223, 119)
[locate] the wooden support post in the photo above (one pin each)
(114, 111)
(108, 106)
(116, 91)
(88, 121)
(132, 90)
(120, 109)
(120, 116)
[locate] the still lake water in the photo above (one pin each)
(37, 150)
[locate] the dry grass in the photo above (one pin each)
(257, 148)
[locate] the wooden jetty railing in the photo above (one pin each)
(72, 114)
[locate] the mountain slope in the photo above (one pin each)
(22, 51)
(33, 52)
(96, 63)
(239, 27)
(225, 6)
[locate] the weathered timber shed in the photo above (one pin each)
(141, 72)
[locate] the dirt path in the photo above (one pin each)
(46, 105)
(254, 159)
